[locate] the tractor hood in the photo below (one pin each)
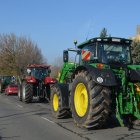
(134, 73)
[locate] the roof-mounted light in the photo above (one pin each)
(105, 39)
(127, 41)
(116, 40)
(99, 39)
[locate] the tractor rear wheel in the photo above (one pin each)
(90, 102)
(27, 92)
(57, 102)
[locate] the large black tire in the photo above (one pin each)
(27, 92)
(96, 98)
(58, 108)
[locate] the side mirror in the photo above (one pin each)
(65, 56)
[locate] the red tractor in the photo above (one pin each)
(36, 83)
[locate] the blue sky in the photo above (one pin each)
(55, 24)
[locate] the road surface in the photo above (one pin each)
(20, 121)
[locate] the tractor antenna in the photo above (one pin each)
(89, 27)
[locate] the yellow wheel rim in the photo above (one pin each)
(81, 99)
(55, 102)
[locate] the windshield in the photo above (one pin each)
(109, 53)
(39, 73)
(114, 53)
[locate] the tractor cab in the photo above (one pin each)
(109, 51)
(38, 72)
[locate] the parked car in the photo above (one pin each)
(11, 89)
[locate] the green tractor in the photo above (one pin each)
(102, 82)
(5, 80)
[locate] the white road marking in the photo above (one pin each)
(47, 119)
(20, 106)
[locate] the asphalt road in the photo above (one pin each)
(19, 121)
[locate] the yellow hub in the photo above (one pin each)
(81, 99)
(55, 102)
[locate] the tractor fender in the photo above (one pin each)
(104, 77)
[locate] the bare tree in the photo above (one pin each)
(56, 68)
(16, 53)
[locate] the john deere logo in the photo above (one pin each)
(100, 79)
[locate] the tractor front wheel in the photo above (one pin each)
(90, 102)
(57, 101)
